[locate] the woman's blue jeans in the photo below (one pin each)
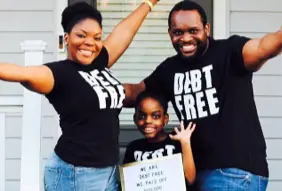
(62, 176)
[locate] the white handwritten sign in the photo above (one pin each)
(163, 174)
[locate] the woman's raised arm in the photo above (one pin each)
(122, 35)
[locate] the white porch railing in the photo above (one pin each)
(2, 151)
(32, 104)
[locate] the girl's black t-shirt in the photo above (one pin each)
(88, 99)
(141, 149)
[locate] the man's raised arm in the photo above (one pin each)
(257, 51)
(131, 92)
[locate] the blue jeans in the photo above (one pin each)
(230, 179)
(62, 176)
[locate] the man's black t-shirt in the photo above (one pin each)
(216, 92)
(141, 149)
(88, 100)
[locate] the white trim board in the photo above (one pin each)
(11, 100)
(221, 12)
(59, 7)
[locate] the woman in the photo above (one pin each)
(86, 96)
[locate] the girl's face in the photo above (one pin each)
(84, 42)
(150, 119)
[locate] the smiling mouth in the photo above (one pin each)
(86, 53)
(189, 48)
(148, 130)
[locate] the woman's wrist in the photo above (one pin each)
(150, 3)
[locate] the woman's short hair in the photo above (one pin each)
(76, 12)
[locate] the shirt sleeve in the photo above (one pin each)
(236, 44)
(153, 82)
(58, 74)
(128, 156)
(104, 57)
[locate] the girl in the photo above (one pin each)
(150, 118)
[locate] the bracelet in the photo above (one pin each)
(148, 2)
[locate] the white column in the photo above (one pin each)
(221, 17)
(31, 129)
(2, 151)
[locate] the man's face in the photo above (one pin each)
(188, 34)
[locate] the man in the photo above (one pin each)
(209, 82)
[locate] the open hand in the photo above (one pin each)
(183, 135)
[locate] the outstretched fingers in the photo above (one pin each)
(191, 127)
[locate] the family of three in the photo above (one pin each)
(208, 82)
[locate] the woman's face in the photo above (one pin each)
(84, 42)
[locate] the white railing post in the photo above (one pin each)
(2, 151)
(31, 128)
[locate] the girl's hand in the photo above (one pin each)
(183, 135)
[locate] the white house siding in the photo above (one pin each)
(22, 20)
(254, 18)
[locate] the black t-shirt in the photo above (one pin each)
(216, 92)
(141, 149)
(88, 100)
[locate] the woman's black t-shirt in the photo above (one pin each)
(88, 99)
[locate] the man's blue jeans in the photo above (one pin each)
(230, 179)
(62, 176)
